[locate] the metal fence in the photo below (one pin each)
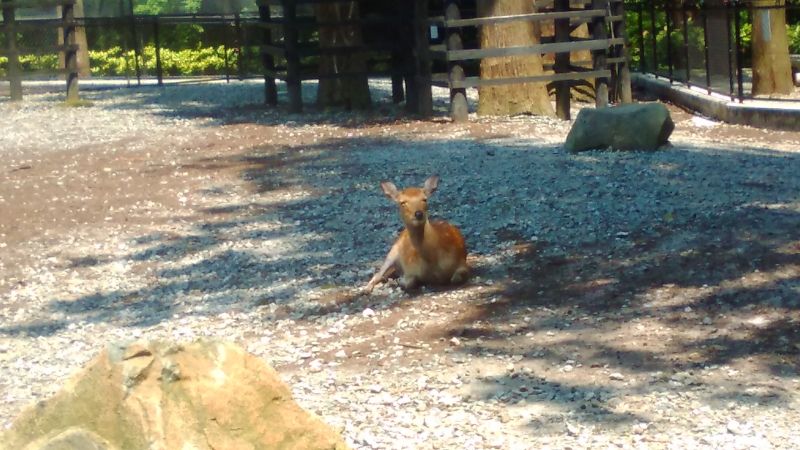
(702, 44)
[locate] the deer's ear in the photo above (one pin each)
(431, 184)
(389, 189)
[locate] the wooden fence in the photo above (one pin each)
(10, 26)
(291, 50)
(606, 43)
(396, 43)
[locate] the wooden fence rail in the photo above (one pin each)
(609, 57)
(68, 26)
(289, 43)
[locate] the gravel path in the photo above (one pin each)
(620, 299)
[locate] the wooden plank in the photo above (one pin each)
(268, 60)
(43, 50)
(71, 54)
(532, 17)
(290, 40)
(14, 72)
(276, 74)
(561, 65)
(273, 50)
(558, 47)
(599, 55)
(459, 107)
(422, 57)
(477, 81)
(37, 3)
(313, 49)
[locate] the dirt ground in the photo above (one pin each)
(709, 316)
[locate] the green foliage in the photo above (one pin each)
(203, 61)
(155, 7)
(696, 37)
(794, 38)
(116, 62)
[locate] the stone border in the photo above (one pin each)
(783, 115)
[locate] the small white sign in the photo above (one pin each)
(434, 32)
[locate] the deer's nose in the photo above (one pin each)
(419, 215)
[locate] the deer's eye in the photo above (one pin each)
(424, 200)
(403, 203)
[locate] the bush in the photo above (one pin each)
(116, 62)
(203, 61)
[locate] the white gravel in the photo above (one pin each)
(287, 239)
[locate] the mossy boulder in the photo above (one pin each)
(637, 126)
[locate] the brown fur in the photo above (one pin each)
(425, 252)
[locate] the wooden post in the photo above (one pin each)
(423, 59)
(135, 38)
(14, 75)
(623, 68)
(599, 56)
(239, 40)
(270, 90)
(409, 59)
(562, 62)
(685, 18)
(225, 51)
(459, 109)
(70, 50)
(290, 37)
(397, 60)
(157, 40)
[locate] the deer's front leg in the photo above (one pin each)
(388, 263)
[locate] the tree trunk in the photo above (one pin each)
(513, 98)
(351, 92)
(84, 69)
(772, 70)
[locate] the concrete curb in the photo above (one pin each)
(779, 115)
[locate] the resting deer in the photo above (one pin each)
(425, 252)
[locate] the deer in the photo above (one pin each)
(426, 252)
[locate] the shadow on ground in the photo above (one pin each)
(705, 286)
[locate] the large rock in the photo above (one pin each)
(637, 126)
(204, 395)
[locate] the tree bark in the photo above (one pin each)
(772, 70)
(84, 69)
(351, 92)
(511, 99)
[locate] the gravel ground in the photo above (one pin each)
(623, 300)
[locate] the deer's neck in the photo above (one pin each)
(417, 233)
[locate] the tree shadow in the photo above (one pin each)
(600, 262)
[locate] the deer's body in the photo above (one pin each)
(425, 252)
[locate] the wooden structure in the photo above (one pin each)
(394, 44)
(11, 26)
(606, 42)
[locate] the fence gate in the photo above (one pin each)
(11, 26)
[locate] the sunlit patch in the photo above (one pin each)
(759, 321)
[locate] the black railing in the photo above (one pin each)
(702, 44)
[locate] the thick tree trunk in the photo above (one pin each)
(351, 92)
(772, 70)
(84, 69)
(514, 98)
